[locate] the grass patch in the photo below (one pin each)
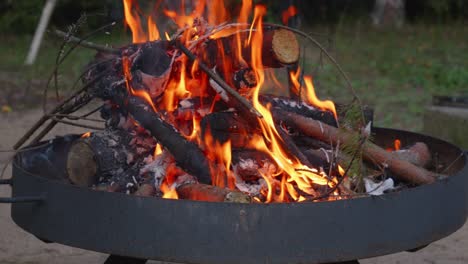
(21, 85)
(397, 71)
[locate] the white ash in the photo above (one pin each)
(158, 167)
(184, 179)
(378, 188)
(219, 90)
(185, 104)
(366, 132)
(203, 111)
(247, 164)
(294, 104)
(130, 157)
(250, 189)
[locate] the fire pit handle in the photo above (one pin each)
(22, 199)
(19, 199)
(6, 181)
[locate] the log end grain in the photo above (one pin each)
(81, 165)
(285, 46)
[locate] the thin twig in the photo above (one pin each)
(70, 109)
(61, 59)
(73, 117)
(219, 80)
(92, 111)
(58, 120)
(56, 109)
(84, 43)
(340, 181)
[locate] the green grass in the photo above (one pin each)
(397, 71)
(394, 71)
(18, 81)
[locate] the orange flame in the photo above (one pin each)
(132, 18)
(128, 77)
(86, 135)
(153, 30)
(312, 99)
(157, 150)
(293, 181)
(271, 142)
(397, 144)
(288, 13)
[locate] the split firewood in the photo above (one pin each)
(210, 193)
(402, 169)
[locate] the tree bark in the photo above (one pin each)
(402, 169)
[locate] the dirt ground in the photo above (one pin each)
(17, 246)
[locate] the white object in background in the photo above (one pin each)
(378, 188)
(39, 34)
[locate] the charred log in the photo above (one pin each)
(299, 107)
(186, 154)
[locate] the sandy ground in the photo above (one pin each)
(17, 246)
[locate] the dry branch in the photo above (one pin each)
(371, 152)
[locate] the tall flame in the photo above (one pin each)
(292, 180)
(132, 18)
(312, 99)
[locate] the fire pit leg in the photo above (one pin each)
(114, 259)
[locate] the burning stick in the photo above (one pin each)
(372, 153)
(187, 154)
(219, 81)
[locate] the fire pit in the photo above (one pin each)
(261, 176)
(209, 232)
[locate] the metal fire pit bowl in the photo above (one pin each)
(203, 232)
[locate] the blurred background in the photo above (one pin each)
(397, 53)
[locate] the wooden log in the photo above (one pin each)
(81, 165)
(402, 169)
(298, 107)
(187, 155)
(279, 48)
(209, 193)
(100, 155)
(417, 154)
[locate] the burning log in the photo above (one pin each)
(81, 166)
(279, 48)
(186, 154)
(404, 170)
(102, 153)
(209, 193)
